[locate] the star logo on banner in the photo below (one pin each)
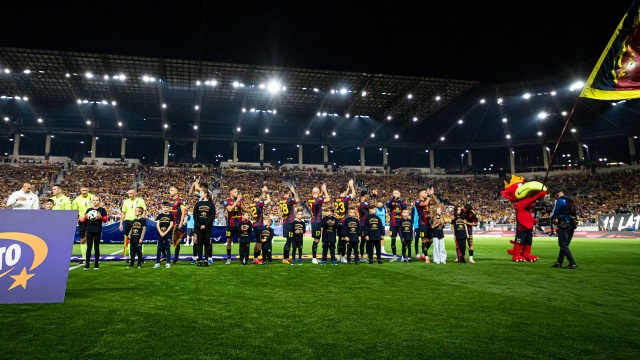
(21, 279)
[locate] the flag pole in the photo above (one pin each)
(564, 129)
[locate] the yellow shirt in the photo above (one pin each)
(81, 204)
(129, 206)
(61, 203)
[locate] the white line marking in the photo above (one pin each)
(81, 265)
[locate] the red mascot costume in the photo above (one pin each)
(523, 195)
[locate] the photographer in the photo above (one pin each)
(565, 213)
(542, 212)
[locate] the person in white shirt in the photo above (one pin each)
(24, 199)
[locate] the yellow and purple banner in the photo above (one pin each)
(35, 248)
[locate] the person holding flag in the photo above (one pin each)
(81, 203)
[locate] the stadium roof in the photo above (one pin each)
(76, 93)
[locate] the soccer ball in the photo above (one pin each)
(93, 215)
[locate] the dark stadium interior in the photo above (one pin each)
(62, 95)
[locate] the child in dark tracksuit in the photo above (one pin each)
(266, 237)
(136, 236)
(299, 228)
(350, 233)
(373, 234)
(329, 236)
(245, 229)
(460, 234)
(406, 226)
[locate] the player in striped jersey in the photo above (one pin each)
(341, 205)
(363, 211)
(315, 206)
(424, 204)
(233, 205)
(178, 214)
(260, 199)
(395, 206)
(288, 216)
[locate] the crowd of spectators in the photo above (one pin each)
(599, 193)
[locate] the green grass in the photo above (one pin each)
(493, 309)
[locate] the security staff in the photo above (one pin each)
(562, 212)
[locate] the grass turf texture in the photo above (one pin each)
(492, 309)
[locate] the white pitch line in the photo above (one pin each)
(81, 265)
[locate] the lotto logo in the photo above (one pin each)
(19, 244)
(34, 256)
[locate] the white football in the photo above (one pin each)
(93, 215)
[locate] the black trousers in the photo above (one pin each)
(266, 253)
(93, 241)
(564, 239)
(288, 234)
(328, 247)
(296, 245)
(244, 251)
(352, 246)
(374, 244)
(203, 236)
(135, 248)
(342, 247)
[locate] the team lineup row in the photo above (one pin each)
(350, 229)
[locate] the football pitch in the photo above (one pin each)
(494, 309)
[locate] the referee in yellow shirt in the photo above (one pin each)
(127, 214)
(81, 203)
(60, 200)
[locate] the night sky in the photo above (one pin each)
(492, 42)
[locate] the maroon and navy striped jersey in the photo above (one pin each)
(234, 216)
(176, 211)
(286, 207)
(395, 211)
(470, 217)
(363, 211)
(316, 209)
(341, 204)
(257, 212)
(424, 212)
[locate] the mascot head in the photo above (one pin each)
(517, 189)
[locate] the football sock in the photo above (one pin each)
(256, 254)
(314, 249)
(228, 253)
(393, 246)
(83, 251)
(425, 249)
(470, 252)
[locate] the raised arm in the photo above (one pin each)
(351, 188)
(323, 188)
(265, 195)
